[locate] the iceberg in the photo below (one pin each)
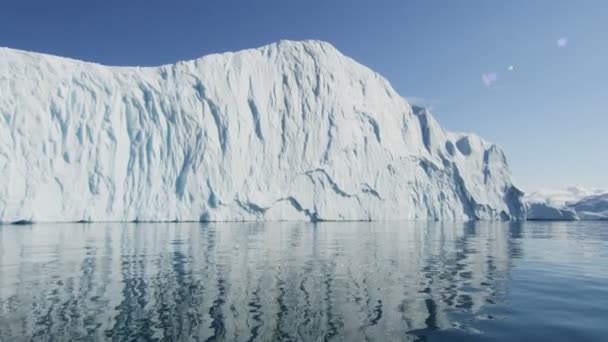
(572, 204)
(288, 131)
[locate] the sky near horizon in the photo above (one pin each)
(531, 76)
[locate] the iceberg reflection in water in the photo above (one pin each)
(271, 281)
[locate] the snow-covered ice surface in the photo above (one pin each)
(574, 203)
(288, 131)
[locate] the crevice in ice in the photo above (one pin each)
(330, 136)
(317, 85)
(284, 113)
(222, 130)
(254, 112)
(366, 189)
(486, 166)
(513, 199)
(213, 201)
(182, 178)
(251, 208)
(468, 204)
(449, 146)
(428, 167)
(377, 313)
(63, 127)
(369, 190)
(332, 183)
(489, 157)
(363, 88)
(305, 145)
(375, 127)
(374, 124)
(425, 130)
(313, 216)
(283, 133)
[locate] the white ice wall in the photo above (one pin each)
(288, 131)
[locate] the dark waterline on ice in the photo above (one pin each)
(310, 282)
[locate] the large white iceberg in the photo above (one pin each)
(288, 131)
(574, 203)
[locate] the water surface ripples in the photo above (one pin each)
(402, 281)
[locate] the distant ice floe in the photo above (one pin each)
(574, 203)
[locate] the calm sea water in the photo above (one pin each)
(305, 282)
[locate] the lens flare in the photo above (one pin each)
(489, 78)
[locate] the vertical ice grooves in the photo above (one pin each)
(330, 136)
(468, 203)
(283, 133)
(182, 178)
(425, 130)
(256, 118)
(222, 129)
(374, 125)
(317, 72)
(254, 112)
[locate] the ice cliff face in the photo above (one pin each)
(289, 131)
(572, 204)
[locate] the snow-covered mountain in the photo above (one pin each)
(288, 131)
(574, 203)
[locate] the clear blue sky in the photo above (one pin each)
(549, 113)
